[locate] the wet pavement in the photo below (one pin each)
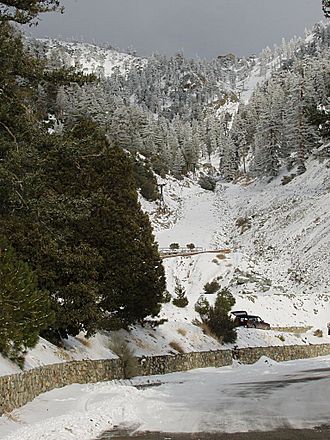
(322, 433)
(244, 396)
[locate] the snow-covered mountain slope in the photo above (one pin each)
(88, 58)
(278, 267)
(280, 255)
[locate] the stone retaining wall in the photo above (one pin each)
(18, 389)
(282, 353)
(183, 362)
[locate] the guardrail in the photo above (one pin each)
(181, 250)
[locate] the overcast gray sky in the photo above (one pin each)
(206, 28)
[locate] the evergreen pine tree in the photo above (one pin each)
(229, 160)
(24, 11)
(24, 308)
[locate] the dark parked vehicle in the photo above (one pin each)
(253, 321)
(242, 319)
(239, 317)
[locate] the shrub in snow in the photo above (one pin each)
(206, 329)
(207, 182)
(218, 320)
(287, 179)
(174, 246)
(182, 331)
(211, 287)
(129, 363)
(244, 223)
(153, 323)
(191, 246)
(176, 346)
(202, 306)
(318, 332)
(167, 297)
(181, 300)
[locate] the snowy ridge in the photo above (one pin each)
(89, 58)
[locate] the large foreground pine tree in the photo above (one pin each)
(105, 271)
(69, 208)
(24, 309)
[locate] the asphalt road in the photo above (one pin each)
(322, 433)
(246, 397)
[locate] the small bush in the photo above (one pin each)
(167, 297)
(207, 331)
(191, 246)
(129, 363)
(244, 223)
(287, 179)
(318, 332)
(207, 182)
(211, 287)
(217, 318)
(174, 246)
(202, 306)
(181, 300)
(182, 331)
(86, 342)
(176, 346)
(153, 323)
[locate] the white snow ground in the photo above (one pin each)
(230, 399)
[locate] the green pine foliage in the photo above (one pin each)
(24, 308)
(131, 277)
(145, 179)
(211, 287)
(202, 306)
(88, 239)
(181, 299)
(217, 317)
(69, 205)
(26, 11)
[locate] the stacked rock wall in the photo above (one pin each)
(18, 389)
